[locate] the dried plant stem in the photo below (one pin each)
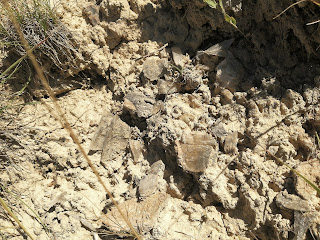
(313, 22)
(313, 185)
(5, 206)
(61, 117)
(289, 8)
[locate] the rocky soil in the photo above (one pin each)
(181, 113)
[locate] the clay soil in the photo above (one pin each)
(183, 115)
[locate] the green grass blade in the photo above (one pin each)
(211, 3)
(318, 140)
(12, 66)
(8, 77)
(313, 185)
(230, 20)
(2, 235)
(26, 205)
(177, 68)
(227, 18)
(22, 58)
(18, 94)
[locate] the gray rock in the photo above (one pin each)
(100, 134)
(150, 183)
(229, 74)
(179, 59)
(115, 141)
(139, 104)
(219, 49)
(154, 67)
(285, 200)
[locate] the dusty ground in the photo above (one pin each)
(177, 112)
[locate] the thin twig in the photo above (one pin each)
(5, 206)
(313, 22)
(61, 117)
(289, 8)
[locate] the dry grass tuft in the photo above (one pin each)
(38, 21)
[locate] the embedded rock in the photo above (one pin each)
(139, 104)
(150, 183)
(154, 67)
(115, 142)
(196, 151)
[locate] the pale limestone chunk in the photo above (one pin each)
(219, 49)
(285, 200)
(99, 136)
(91, 13)
(167, 87)
(150, 183)
(230, 143)
(179, 59)
(229, 74)
(137, 149)
(116, 140)
(226, 96)
(305, 221)
(128, 105)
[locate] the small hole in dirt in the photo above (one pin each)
(128, 179)
(45, 97)
(302, 154)
(289, 185)
(210, 41)
(233, 166)
(161, 97)
(94, 41)
(217, 204)
(48, 171)
(134, 121)
(52, 209)
(116, 97)
(61, 94)
(91, 78)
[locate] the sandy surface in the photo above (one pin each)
(179, 112)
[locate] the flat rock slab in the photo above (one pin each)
(139, 104)
(112, 137)
(149, 184)
(195, 151)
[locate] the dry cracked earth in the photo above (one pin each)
(184, 116)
